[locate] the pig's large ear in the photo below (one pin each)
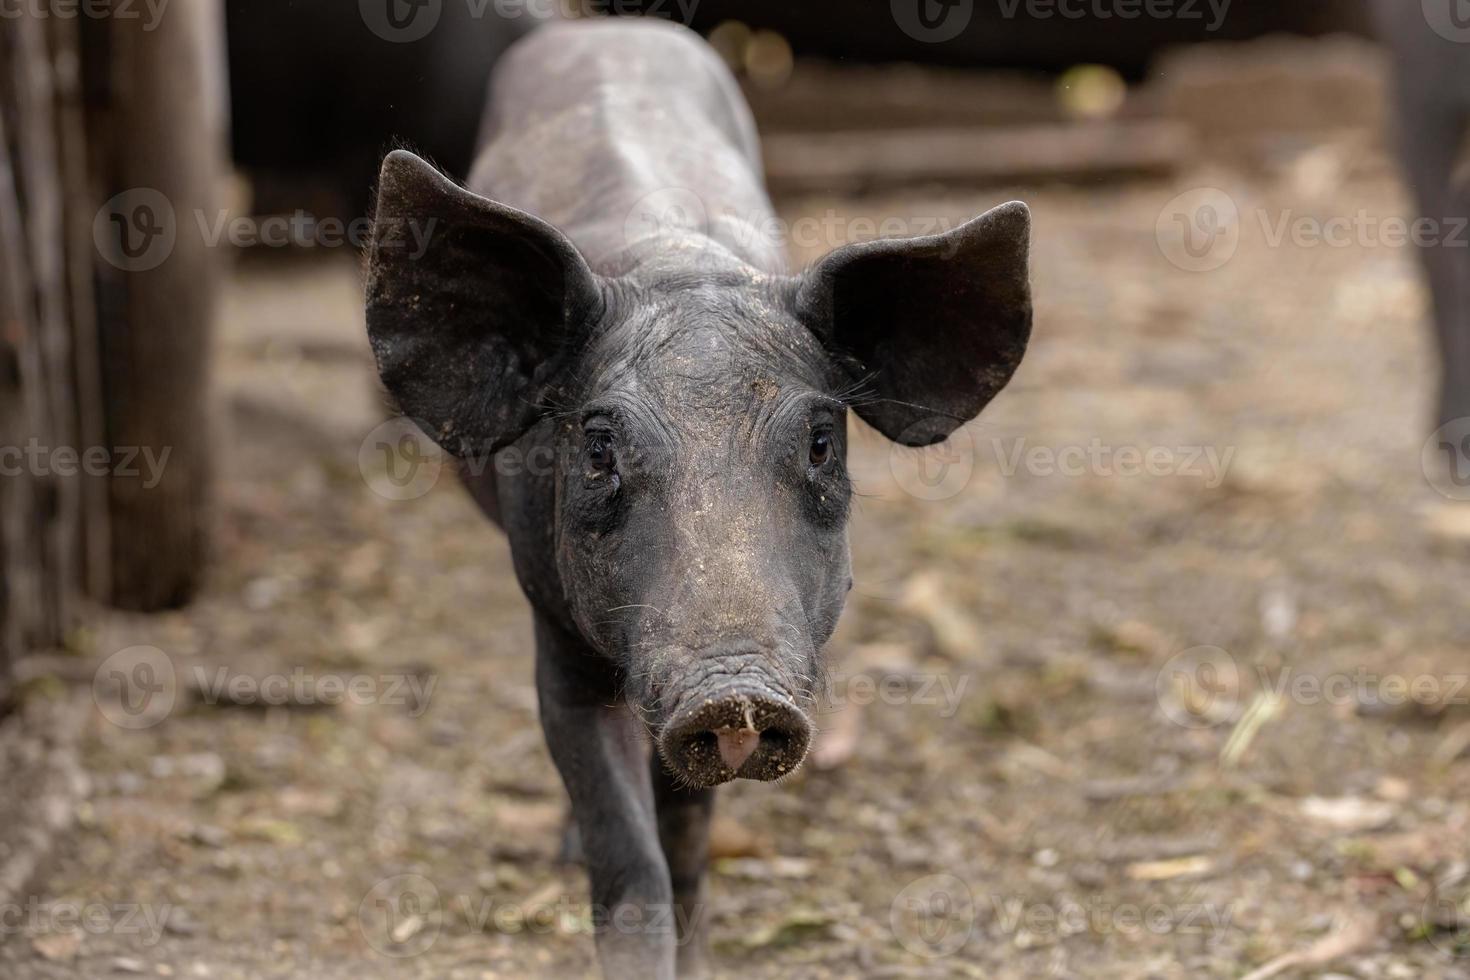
(473, 308)
(930, 328)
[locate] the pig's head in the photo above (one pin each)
(698, 411)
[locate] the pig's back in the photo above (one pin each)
(599, 126)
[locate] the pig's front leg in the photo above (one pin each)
(603, 759)
(683, 831)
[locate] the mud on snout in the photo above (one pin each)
(734, 726)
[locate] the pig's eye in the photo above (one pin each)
(600, 455)
(821, 448)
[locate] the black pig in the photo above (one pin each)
(1431, 105)
(683, 540)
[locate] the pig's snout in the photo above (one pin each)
(752, 734)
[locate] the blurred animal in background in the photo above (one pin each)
(1430, 51)
(656, 414)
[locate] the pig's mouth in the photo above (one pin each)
(746, 733)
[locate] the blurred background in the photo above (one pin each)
(1159, 669)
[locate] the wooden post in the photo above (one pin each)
(156, 121)
(112, 129)
(39, 486)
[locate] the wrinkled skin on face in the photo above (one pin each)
(704, 501)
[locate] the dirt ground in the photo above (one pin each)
(1098, 722)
